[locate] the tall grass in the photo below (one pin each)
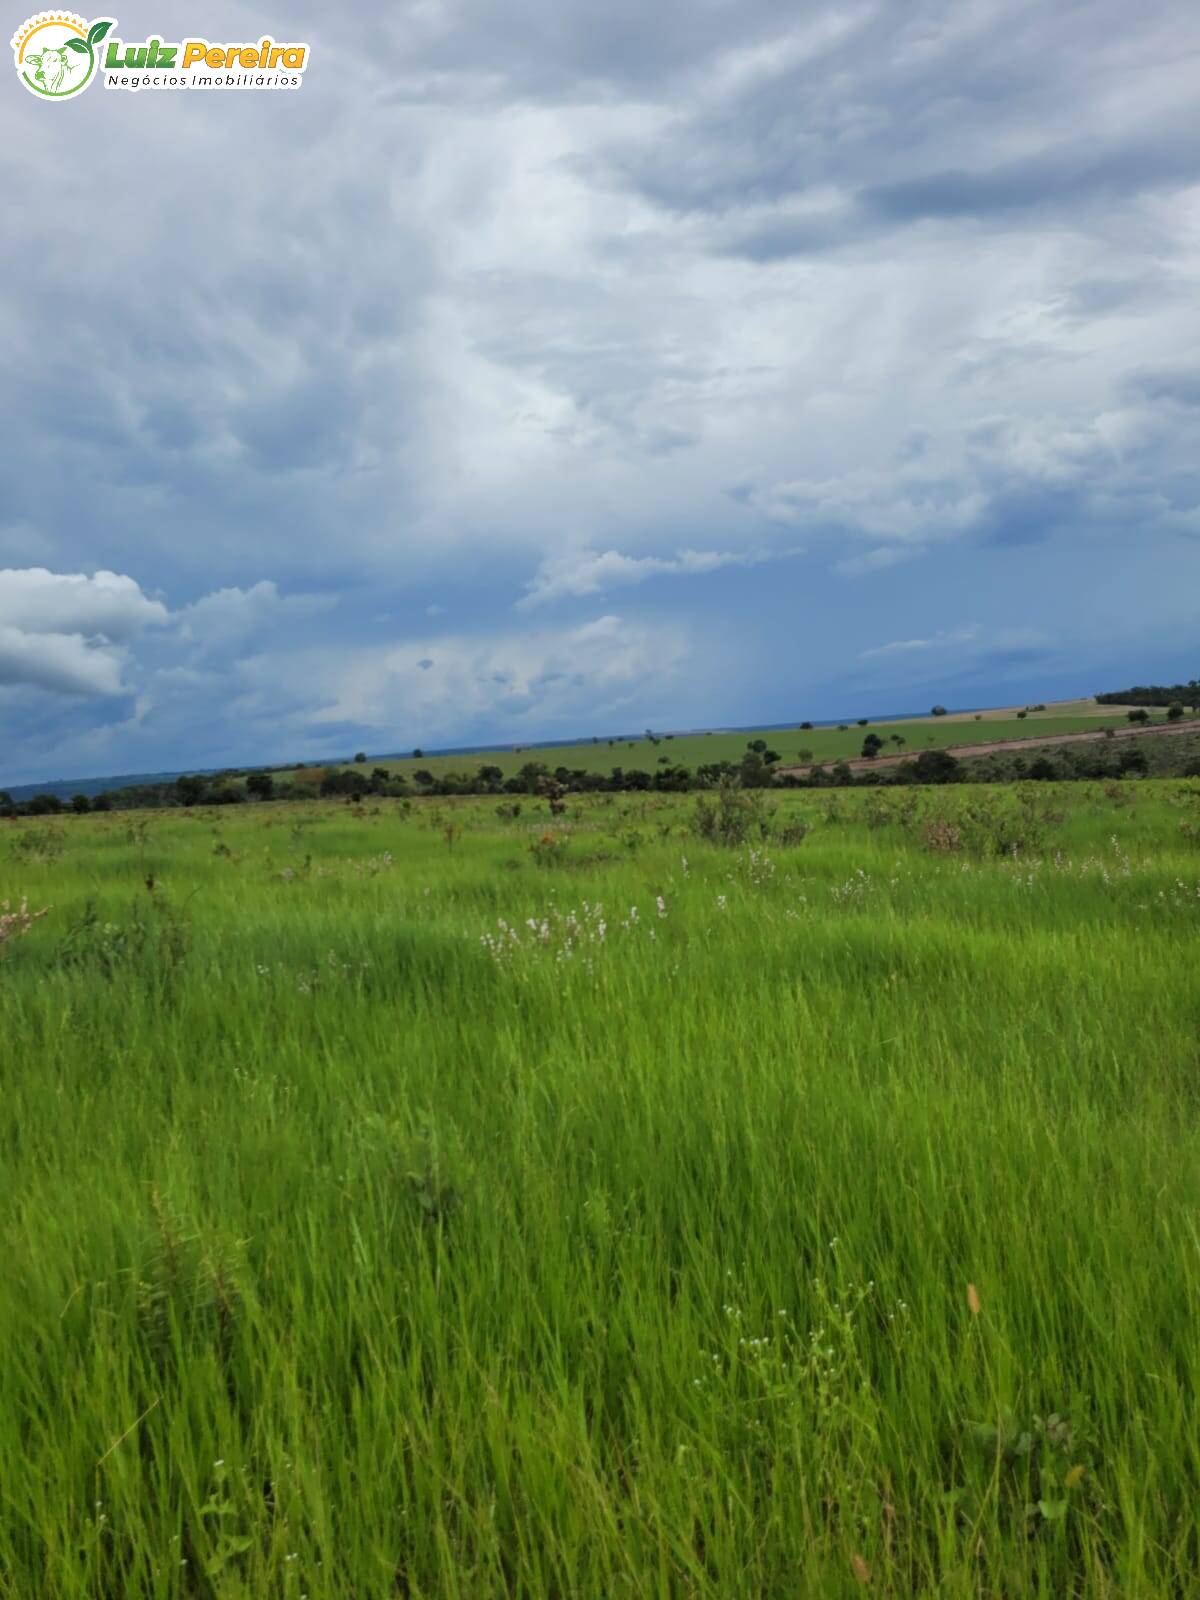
(397, 1209)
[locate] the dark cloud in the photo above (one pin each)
(1180, 387)
(644, 288)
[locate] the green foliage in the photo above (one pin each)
(673, 1220)
(1155, 694)
(731, 816)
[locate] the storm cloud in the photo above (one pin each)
(562, 368)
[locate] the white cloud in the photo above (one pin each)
(106, 605)
(228, 617)
(575, 572)
(939, 641)
(62, 662)
(877, 560)
(66, 632)
(464, 688)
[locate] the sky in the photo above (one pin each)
(547, 368)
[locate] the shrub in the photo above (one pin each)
(941, 836)
(936, 766)
(548, 849)
(1174, 711)
(731, 816)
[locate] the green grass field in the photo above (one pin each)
(425, 1202)
(827, 744)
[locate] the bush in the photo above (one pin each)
(731, 816)
(936, 766)
(1139, 714)
(1174, 711)
(548, 849)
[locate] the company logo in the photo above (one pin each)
(56, 53)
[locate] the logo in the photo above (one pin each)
(56, 53)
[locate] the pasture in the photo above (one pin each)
(446, 1200)
(825, 744)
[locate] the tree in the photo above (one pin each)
(1139, 715)
(757, 745)
(531, 774)
(804, 755)
(491, 774)
(806, 724)
(260, 785)
(353, 784)
(418, 755)
(360, 755)
(862, 722)
(1174, 711)
(44, 805)
(936, 766)
(1021, 715)
(80, 804)
(938, 711)
(189, 791)
(7, 808)
(872, 745)
(754, 772)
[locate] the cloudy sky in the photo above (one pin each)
(557, 367)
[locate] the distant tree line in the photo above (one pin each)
(1155, 694)
(1104, 759)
